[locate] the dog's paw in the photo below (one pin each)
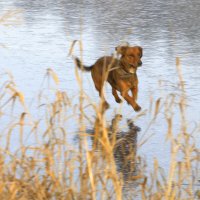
(137, 108)
(118, 100)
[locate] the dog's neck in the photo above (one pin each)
(123, 72)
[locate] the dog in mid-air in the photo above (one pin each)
(120, 73)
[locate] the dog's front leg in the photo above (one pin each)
(134, 91)
(130, 100)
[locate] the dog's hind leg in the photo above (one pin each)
(117, 99)
(99, 88)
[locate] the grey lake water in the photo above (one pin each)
(44, 31)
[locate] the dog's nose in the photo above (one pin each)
(140, 63)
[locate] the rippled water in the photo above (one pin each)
(165, 30)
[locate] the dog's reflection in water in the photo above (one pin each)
(125, 150)
(124, 145)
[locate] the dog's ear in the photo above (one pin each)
(121, 49)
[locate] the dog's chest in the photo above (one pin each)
(127, 77)
(131, 81)
(117, 76)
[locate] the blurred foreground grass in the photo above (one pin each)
(39, 161)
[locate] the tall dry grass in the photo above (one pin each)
(38, 159)
(51, 167)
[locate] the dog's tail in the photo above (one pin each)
(81, 66)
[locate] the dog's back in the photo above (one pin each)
(104, 65)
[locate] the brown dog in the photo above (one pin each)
(120, 73)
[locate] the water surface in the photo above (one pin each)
(165, 30)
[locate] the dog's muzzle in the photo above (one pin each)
(132, 70)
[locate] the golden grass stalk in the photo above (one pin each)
(39, 161)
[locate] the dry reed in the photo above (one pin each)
(39, 161)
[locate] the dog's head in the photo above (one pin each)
(130, 57)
